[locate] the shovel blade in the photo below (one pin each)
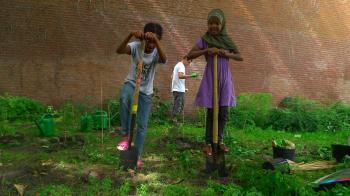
(216, 162)
(210, 165)
(128, 158)
(221, 164)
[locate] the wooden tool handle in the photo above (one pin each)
(135, 100)
(138, 80)
(215, 100)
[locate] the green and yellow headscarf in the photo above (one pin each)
(222, 40)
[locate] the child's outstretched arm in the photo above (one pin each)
(195, 52)
(153, 37)
(184, 76)
(123, 47)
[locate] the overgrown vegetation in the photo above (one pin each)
(293, 114)
(172, 165)
(160, 109)
(18, 108)
(251, 110)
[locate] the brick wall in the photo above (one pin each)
(65, 49)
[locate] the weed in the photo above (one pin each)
(17, 108)
(338, 190)
(124, 189)
(85, 106)
(325, 152)
(69, 116)
(101, 187)
(208, 192)
(174, 190)
(6, 156)
(56, 190)
(160, 109)
(114, 108)
(6, 128)
(185, 159)
(200, 118)
(229, 189)
(251, 110)
(142, 190)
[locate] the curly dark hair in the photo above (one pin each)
(154, 28)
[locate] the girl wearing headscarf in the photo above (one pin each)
(216, 41)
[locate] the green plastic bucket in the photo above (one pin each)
(100, 119)
(46, 125)
(86, 123)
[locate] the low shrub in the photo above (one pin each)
(18, 108)
(160, 109)
(252, 110)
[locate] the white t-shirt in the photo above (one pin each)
(148, 69)
(178, 84)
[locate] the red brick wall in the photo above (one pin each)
(65, 49)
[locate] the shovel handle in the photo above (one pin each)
(138, 79)
(215, 101)
(135, 101)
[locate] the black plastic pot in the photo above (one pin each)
(283, 153)
(339, 151)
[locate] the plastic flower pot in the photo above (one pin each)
(285, 153)
(339, 151)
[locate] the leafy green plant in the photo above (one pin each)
(325, 152)
(242, 119)
(273, 182)
(6, 128)
(338, 190)
(124, 189)
(160, 109)
(170, 147)
(69, 116)
(282, 119)
(229, 189)
(285, 119)
(208, 192)
(199, 117)
(6, 156)
(174, 190)
(96, 155)
(279, 184)
(101, 187)
(251, 110)
(114, 110)
(142, 190)
(295, 114)
(185, 159)
(51, 110)
(346, 163)
(335, 116)
(236, 148)
(301, 114)
(56, 190)
(17, 108)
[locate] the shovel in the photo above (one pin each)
(129, 157)
(217, 160)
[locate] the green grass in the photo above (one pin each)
(168, 170)
(8, 157)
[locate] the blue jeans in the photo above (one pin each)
(144, 108)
